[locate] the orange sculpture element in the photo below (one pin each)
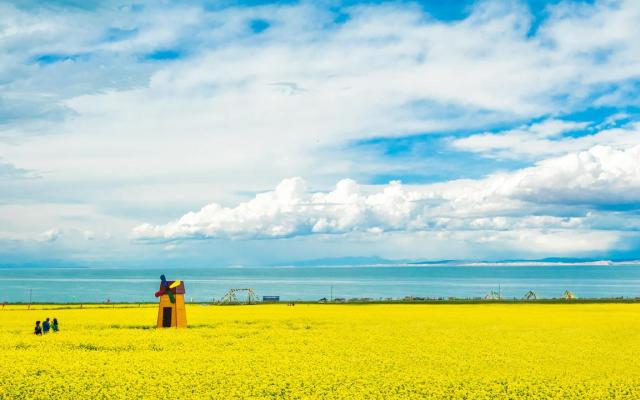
(171, 309)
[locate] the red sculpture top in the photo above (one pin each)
(176, 290)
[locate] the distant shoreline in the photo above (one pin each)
(465, 264)
(54, 305)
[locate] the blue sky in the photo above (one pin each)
(264, 132)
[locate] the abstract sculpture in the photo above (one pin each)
(171, 309)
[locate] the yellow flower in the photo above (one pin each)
(492, 351)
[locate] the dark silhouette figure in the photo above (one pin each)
(54, 325)
(38, 329)
(46, 325)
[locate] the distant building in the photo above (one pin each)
(270, 299)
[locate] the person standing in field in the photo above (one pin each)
(54, 325)
(46, 325)
(38, 329)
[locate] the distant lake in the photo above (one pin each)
(313, 283)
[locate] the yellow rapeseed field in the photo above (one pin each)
(580, 351)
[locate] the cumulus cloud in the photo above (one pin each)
(599, 177)
(290, 210)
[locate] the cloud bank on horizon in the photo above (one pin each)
(481, 130)
(599, 178)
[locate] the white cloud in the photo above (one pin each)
(50, 235)
(127, 140)
(290, 210)
(545, 139)
(386, 71)
(553, 241)
(599, 177)
(554, 127)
